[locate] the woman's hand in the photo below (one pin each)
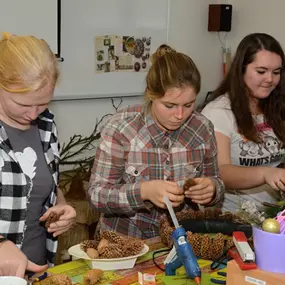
(65, 222)
(274, 177)
(155, 190)
(203, 192)
(13, 262)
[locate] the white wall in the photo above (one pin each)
(250, 16)
(188, 33)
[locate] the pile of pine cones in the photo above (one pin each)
(203, 245)
(112, 245)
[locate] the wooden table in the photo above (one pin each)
(144, 264)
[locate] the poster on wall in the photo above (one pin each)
(122, 53)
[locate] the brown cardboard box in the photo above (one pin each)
(236, 276)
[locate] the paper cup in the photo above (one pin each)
(12, 280)
(269, 251)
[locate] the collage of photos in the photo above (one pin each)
(122, 53)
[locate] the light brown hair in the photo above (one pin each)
(170, 69)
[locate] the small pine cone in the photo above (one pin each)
(59, 279)
(230, 243)
(206, 243)
(217, 246)
(132, 247)
(188, 183)
(195, 241)
(92, 276)
(110, 251)
(112, 237)
(88, 244)
(52, 218)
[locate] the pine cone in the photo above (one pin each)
(188, 183)
(110, 251)
(186, 214)
(59, 279)
(218, 245)
(230, 243)
(206, 243)
(210, 213)
(132, 247)
(195, 241)
(112, 237)
(52, 218)
(88, 244)
(199, 215)
(92, 276)
(165, 234)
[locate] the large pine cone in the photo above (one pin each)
(111, 251)
(195, 241)
(205, 251)
(132, 246)
(218, 245)
(112, 237)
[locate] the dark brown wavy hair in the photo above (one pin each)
(273, 107)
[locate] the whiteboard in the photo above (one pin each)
(82, 21)
(31, 17)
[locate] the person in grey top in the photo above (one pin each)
(29, 157)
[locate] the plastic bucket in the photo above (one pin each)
(269, 251)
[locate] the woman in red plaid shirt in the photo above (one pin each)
(148, 151)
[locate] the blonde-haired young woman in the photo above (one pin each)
(29, 157)
(147, 151)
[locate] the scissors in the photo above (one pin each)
(221, 279)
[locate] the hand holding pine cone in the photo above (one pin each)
(52, 218)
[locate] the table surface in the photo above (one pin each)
(76, 270)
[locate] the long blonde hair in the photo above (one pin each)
(170, 69)
(26, 64)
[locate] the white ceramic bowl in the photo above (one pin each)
(12, 280)
(107, 264)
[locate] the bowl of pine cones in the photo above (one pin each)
(110, 251)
